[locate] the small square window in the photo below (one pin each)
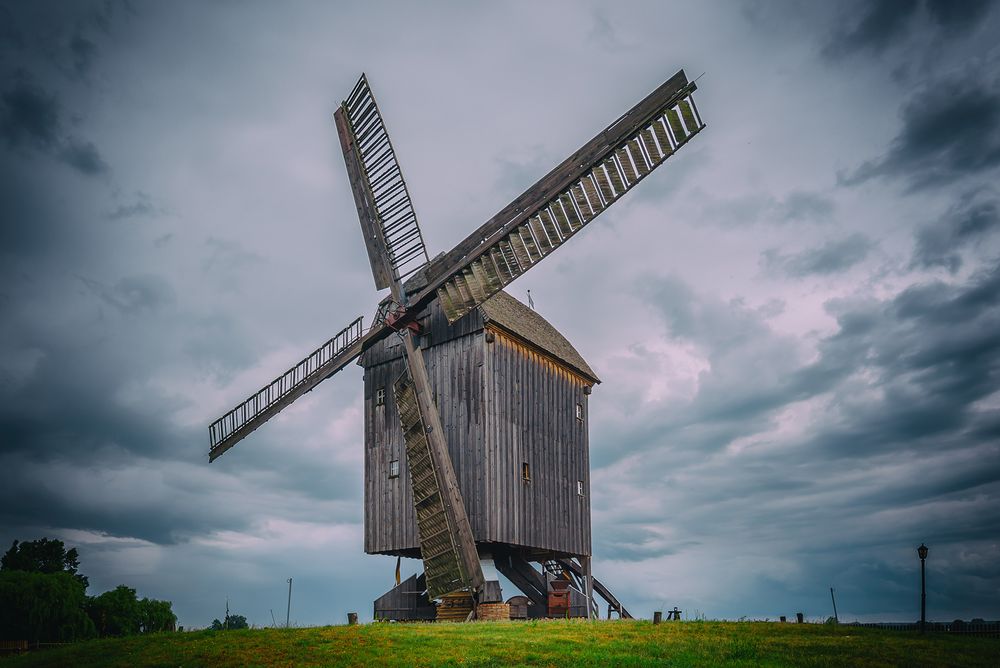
(380, 396)
(394, 468)
(579, 411)
(525, 472)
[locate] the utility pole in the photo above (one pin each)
(922, 553)
(288, 613)
(832, 598)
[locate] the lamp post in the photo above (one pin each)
(922, 553)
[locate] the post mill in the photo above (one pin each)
(476, 408)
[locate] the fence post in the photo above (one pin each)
(657, 616)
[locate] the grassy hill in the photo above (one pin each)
(542, 643)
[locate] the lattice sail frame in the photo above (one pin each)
(392, 234)
(439, 546)
(616, 171)
(264, 404)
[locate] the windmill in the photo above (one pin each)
(461, 467)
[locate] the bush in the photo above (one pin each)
(231, 623)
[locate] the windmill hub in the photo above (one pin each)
(485, 404)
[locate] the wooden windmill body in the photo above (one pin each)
(476, 408)
(512, 393)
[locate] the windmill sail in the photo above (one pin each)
(392, 235)
(441, 538)
(267, 402)
(396, 250)
(569, 197)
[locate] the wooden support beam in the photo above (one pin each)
(599, 587)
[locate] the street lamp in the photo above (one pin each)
(922, 553)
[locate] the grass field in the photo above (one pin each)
(542, 643)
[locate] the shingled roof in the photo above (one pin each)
(506, 312)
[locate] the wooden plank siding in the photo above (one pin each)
(502, 402)
(532, 417)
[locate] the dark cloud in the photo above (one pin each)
(31, 118)
(84, 53)
(831, 258)
(967, 222)
(876, 25)
(881, 22)
(30, 115)
(83, 157)
(958, 15)
(10, 34)
(929, 355)
(951, 129)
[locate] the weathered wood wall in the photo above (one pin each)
(531, 409)
(502, 404)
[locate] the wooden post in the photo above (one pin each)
(657, 616)
(588, 579)
(352, 618)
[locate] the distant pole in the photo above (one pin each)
(832, 598)
(274, 624)
(922, 553)
(288, 613)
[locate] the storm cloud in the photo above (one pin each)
(830, 258)
(31, 118)
(794, 318)
(950, 129)
(970, 221)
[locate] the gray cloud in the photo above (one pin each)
(830, 258)
(83, 157)
(31, 118)
(969, 220)
(932, 354)
(876, 26)
(30, 115)
(750, 446)
(881, 23)
(84, 53)
(798, 206)
(143, 206)
(803, 206)
(958, 15)
(133, 294)
(950, 129)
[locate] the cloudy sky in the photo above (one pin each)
(796, 319)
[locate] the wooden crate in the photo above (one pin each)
(491, 612)
(454, 607)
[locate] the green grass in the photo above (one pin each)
(541, 643)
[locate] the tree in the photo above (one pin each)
(156, 616)
(232, 622)
(43, 607)
(115, 612)
(43, 556)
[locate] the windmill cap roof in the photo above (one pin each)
(509, 314)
